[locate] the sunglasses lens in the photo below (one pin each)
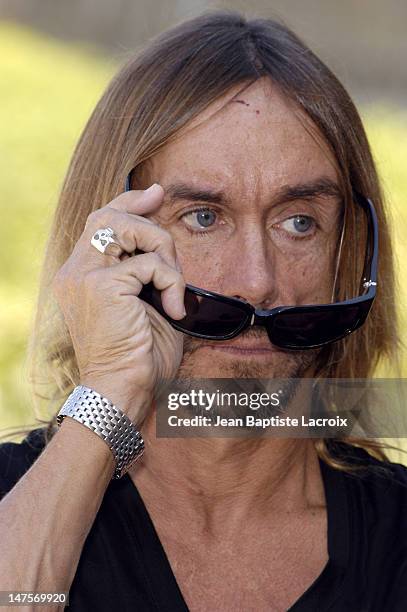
(205, 316)
(314, 327)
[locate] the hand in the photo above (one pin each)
(122, 344)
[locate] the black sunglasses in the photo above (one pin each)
(217, 317)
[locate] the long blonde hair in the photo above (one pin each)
(154, 95)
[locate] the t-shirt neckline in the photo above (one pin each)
(163, 583)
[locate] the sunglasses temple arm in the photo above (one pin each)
(370, 266)
(127, 184)
(338, 259)
(370, 270)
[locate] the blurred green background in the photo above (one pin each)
(47, 90)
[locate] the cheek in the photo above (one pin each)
(204, 266)
(307, 278)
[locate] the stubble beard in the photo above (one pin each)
(289, 367)
(279, 364)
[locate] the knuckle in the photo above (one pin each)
(138, 224)
(180, 280)
(91, 219)
(167, 241)
(174, 278)
(153, 259)
(100, 218)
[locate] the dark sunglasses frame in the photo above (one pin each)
(265, 318)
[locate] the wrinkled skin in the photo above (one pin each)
(250, 145)
(255, 147)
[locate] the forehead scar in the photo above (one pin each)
(246, 104)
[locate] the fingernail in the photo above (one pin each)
(152, 188)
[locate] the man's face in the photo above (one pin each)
(250, 201)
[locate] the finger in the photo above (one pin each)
(150, 267)
(132, 233)
(138, 201)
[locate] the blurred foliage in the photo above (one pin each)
(47, 90)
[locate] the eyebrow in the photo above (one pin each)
(322, 187)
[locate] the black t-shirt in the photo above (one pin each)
(123, 565)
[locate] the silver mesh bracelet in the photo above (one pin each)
(107, 421)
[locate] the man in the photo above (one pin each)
(257, 152)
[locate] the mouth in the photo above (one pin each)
(243, 350)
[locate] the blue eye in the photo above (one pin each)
(200, 219)
(300, 224)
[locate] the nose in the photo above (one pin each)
(249, 273)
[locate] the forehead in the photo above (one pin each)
(250, 137)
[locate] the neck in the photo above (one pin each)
(222, 483)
